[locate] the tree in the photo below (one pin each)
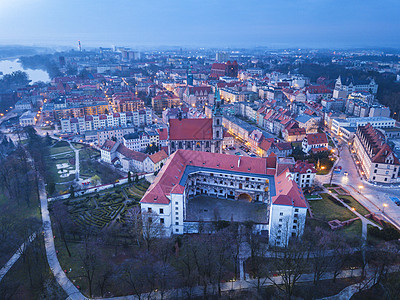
(62, 221)
(290, 263)
(129, 177)
(88, 257)
(152, 228)
(95, 180)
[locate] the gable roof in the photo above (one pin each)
(190, 129)
(316, 138)
(158, 156)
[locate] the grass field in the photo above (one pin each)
(352, 230)
(327, 210)
(354, 203)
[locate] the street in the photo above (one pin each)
(374, 198)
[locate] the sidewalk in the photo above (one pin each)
(62, 279)
(16, 256)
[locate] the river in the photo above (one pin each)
(9, 66)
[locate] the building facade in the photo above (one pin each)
(378, 160)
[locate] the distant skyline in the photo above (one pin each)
(207, 23)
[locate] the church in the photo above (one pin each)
(198, 134)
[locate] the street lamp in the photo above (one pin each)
(384, 205)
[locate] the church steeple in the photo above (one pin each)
(189, 76)
(217, 103)
(217, 117)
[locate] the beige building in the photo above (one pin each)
(378, 161)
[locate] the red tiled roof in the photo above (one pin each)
(288, 192)
(158, 156)
(302, 167)
(163, 134)
(190, 129)
(138, 156)
(171, 173)
(316, 138)
(108, 145)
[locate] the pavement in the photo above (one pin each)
(70, 289)
(373, 197)
(16, 256)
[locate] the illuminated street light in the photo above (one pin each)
(384, 206)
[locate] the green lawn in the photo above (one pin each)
(354, 203)
(326, 210)
(352, 230)
(57, 150)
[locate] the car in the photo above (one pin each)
(238, 153)
(346, 173)
(253, 155)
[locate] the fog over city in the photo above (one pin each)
(207, 23)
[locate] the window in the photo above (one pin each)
(281, 214)
(176, 207)
(176, 223)
(385, 179)
(376, 165)
(280, 225)
(149, 209)
(280, 220)
(161, 220)
(177, 218)
(375, 171)
(294, 221)
(177, 230)
(176, 203)
(176, 213)
(294, 226)
(296, 215)
(161, 211)
(293, 234)
(296, 210)
(278, 237)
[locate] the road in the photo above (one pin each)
(373, 197)
(62, 279)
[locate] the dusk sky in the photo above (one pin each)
(208, 23)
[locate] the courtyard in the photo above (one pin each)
(207, 208)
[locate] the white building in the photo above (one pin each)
(378, 160)
(315, 141)
(115, 120)
(116, 153)
(189, 173)
(376, 122)
(28, 118)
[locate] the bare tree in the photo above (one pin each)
(152, 228)
(88, 257)
(135, 224)
(290, 263)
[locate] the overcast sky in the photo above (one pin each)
(208, 23)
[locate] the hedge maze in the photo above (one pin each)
(101, 209)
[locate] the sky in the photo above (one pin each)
(201, 23)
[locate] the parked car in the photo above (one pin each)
(238, 153)
(346, 173)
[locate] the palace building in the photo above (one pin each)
(258, 182)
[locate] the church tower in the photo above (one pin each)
(217, 118)
(189, 77)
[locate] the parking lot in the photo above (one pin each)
(239, 149)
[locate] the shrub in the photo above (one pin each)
(387, 233)
(334, 200)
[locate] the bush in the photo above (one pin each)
(334, 200)
(387, 233)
